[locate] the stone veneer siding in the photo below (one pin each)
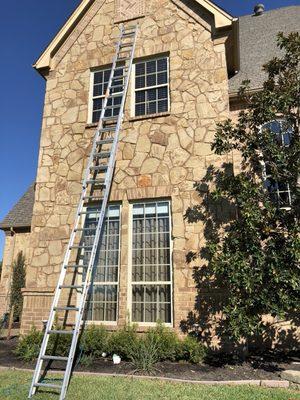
(157, 158)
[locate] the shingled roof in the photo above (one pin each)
(21, 214)
(257, 36)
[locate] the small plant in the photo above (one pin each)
(87, 360)
(144, 354)
(191, 350)
(167, 341)
(29, 345)
(94, 341)
(18, 282)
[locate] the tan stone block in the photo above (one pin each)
(128, 151)
(44, 194)
(144, 180)
(159, 138)
(202, 149)
(70, 116)
(149, 166)
(143, 144)
(41, 260)
(75, 156)
(157, 151)
(55, 248)
(138, 160)
(177, 175)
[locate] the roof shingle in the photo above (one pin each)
(20, 215)
(257, 36)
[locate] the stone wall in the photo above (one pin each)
(14, 243)
(158, 157)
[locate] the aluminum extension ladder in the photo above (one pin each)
(96, 188)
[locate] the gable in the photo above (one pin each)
(125, 10)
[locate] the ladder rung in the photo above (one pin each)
(54, 358)
(110, 117)
(99, 168)
(60, 332)
(123, 59)
(108, 129)
(66, 308)
(118, 94)
(81, 247)
(93, 198)
(75, 266)
(104, 154)
(71, 286)
(96, 182)
(85, 229)
(48, 385)
(105, 141)
(89, 212)
(117, 78)
(129, 44)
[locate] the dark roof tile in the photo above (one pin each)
(21, 214)
(257, 38)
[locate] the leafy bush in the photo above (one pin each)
(28, 347)
(94, 341)
(191, 350)
(123, 341)
(167, 342)
(18, 282)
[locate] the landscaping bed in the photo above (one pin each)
(214, 369)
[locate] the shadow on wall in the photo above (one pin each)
(207, 320)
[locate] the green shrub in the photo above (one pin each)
(167, 342)
(144, 353)
(191, 350)
(94, 341)
(28, 347)
(123, 341)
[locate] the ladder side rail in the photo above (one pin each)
(98, 229)
(73, 234)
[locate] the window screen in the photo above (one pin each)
(103, 304)
(152, 86)
(151, 263)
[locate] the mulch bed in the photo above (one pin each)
(216, 369)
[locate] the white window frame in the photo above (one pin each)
(264, 168)
(129, 278)
(91, 92)
(109, 323)
(134, 90)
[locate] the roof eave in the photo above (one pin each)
(43, 63)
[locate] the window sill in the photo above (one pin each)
(147, 116)
(132, 119)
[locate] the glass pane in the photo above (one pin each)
(162, 106)
(98, 90)
(152, 108)
(140, 82)
(138, 312)
(140, 96)
(140, 109)
(162, 64)
(98, 77)
(151, 80)
(140, 69)
(162, 78)
(151, 67)
(163, 92)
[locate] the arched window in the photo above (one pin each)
(279, 191)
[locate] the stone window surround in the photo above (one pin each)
(141, 326)
(131, 91)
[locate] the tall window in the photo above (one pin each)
(103, 305)
(152, 86)
(279, 192)
(151, 263)
(100, 82)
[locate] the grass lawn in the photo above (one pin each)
(14, 386)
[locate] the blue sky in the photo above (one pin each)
(25, 31)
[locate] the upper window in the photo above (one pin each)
(279, 192)
(99, 85)
(152, 86)
(151, 263)
(103, 304)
